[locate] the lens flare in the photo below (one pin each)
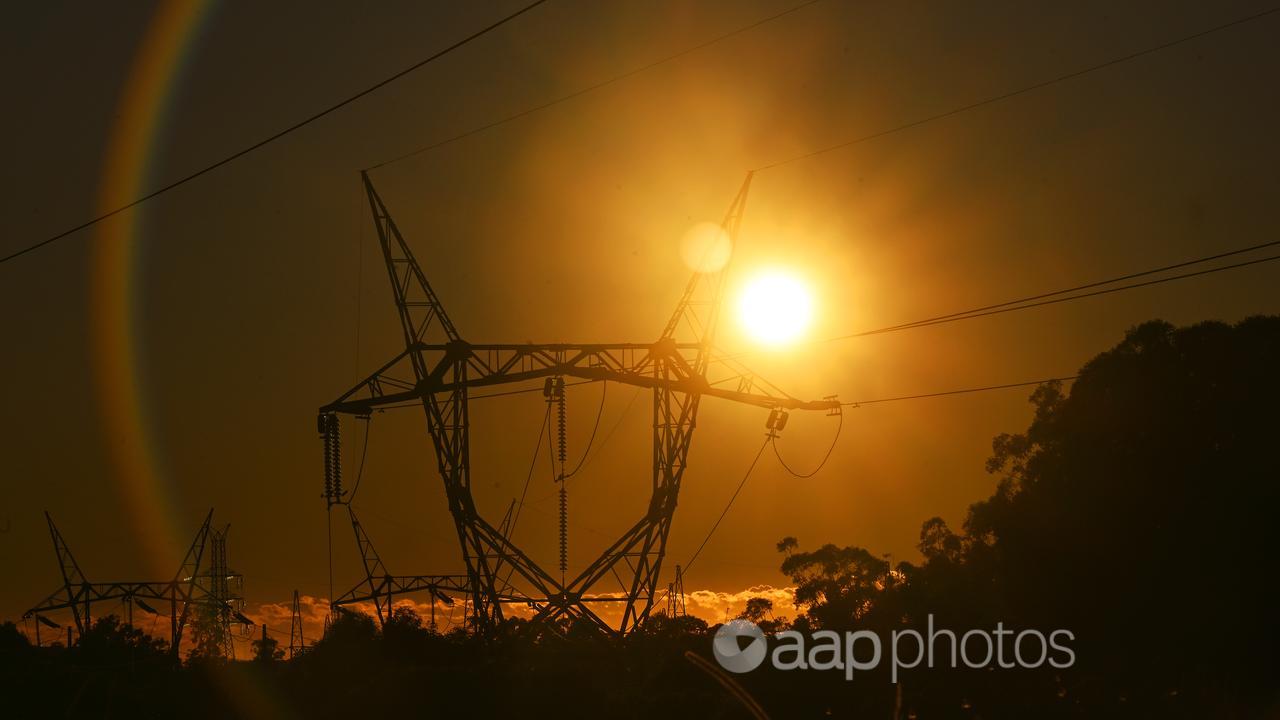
(706, 247)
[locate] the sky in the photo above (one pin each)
(172, 358)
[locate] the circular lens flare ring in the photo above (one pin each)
(706, 248)
(775, 308)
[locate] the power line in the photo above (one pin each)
(1023, 90)
(519, 507)
(825, 458)
(771, 441)
(604, 389)
(1094, 284)
(364, 452)
(296, 126)
(592, 88)
(604, 442)
(986, 388)
(1000, 309)
(1051, 298)
(727, 506)
(617, 423)
(537, 449)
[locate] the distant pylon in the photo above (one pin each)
(196, 585)
(220, 577)
(296, 645)
(675, 595)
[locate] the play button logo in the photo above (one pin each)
(739, 646)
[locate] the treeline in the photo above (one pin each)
(1138, 512)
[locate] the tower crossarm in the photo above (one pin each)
(380, 588)
(82, 593)
(491, 365)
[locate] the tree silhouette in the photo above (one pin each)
(758, 610)
(266, 649)
(110, 640)
(1138, 512)
(837, 585)
(208, 636)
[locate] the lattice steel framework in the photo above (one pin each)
(194, 586)
(438, 368)
(380, 587)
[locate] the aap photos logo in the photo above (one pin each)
(739, 646)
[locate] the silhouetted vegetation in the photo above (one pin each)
(1137, 511)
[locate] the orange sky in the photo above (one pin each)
(565, 226)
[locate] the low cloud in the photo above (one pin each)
(714, 606)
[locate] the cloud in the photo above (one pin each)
(714, 606)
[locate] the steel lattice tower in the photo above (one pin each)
(438, 368)
(194, 587)
(297, 645)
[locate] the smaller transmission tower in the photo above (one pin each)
(225, 586)
(675, 595)
(381, 587)
(192, 589)
(297, 645)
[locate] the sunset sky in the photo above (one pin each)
(171, 359)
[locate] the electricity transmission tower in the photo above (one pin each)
(675, 595)
(297, 645)
(381, 587)
(201, 584)
(224, 584)
(438, 368)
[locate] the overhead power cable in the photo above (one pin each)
(276, 136)
(1057, 296)
(773, 441)
(604, 389)
(727, 506)
(364, 452)
(825, 457)
(519, 506)
(1086, 286)
(617, 423)
(592, 88)
(859, 403)
(1012, 306)
(1024, 90)
(537, 449)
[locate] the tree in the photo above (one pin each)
(837, 585)
(788, 545)
(209, 635)
(13, 642)
(266, 649)
(109, 640)
(1139, 512)
(351, 634)
(404, 634)
(758, 610)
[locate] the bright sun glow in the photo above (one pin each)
(775, 308)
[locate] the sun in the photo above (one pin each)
(775, 307)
